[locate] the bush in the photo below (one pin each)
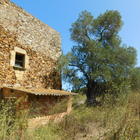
(118, 121)
(12, 122)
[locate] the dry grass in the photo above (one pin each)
(116, 119)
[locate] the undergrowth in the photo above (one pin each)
(114, 119)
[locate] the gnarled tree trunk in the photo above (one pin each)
(91, 95)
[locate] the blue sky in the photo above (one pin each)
(60, 14)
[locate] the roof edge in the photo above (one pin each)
(41, 91)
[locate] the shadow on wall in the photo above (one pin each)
(46, 105)
(53, 80)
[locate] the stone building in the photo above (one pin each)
(29, 51)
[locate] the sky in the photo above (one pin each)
(60, 14)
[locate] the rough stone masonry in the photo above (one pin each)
(25, 38)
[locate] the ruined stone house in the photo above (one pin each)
(29, 51)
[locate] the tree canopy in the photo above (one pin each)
(135, 79)
(98, 61)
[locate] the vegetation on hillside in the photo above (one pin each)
(115, 119)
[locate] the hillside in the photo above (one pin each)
(115, 119)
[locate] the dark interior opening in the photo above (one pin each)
(19, 60)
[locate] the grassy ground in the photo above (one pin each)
(115, 119)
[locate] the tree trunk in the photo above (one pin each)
(91, 95)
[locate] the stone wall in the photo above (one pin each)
(30, 31)
(39, 121)
(40, 42)
(42, 121)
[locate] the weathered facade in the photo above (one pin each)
(29, 51)
(25, 38)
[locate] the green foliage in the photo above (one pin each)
(12, 122)
(98, 61)
(135, 79)
(123, 122)
(116, 119)
(48, 132)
